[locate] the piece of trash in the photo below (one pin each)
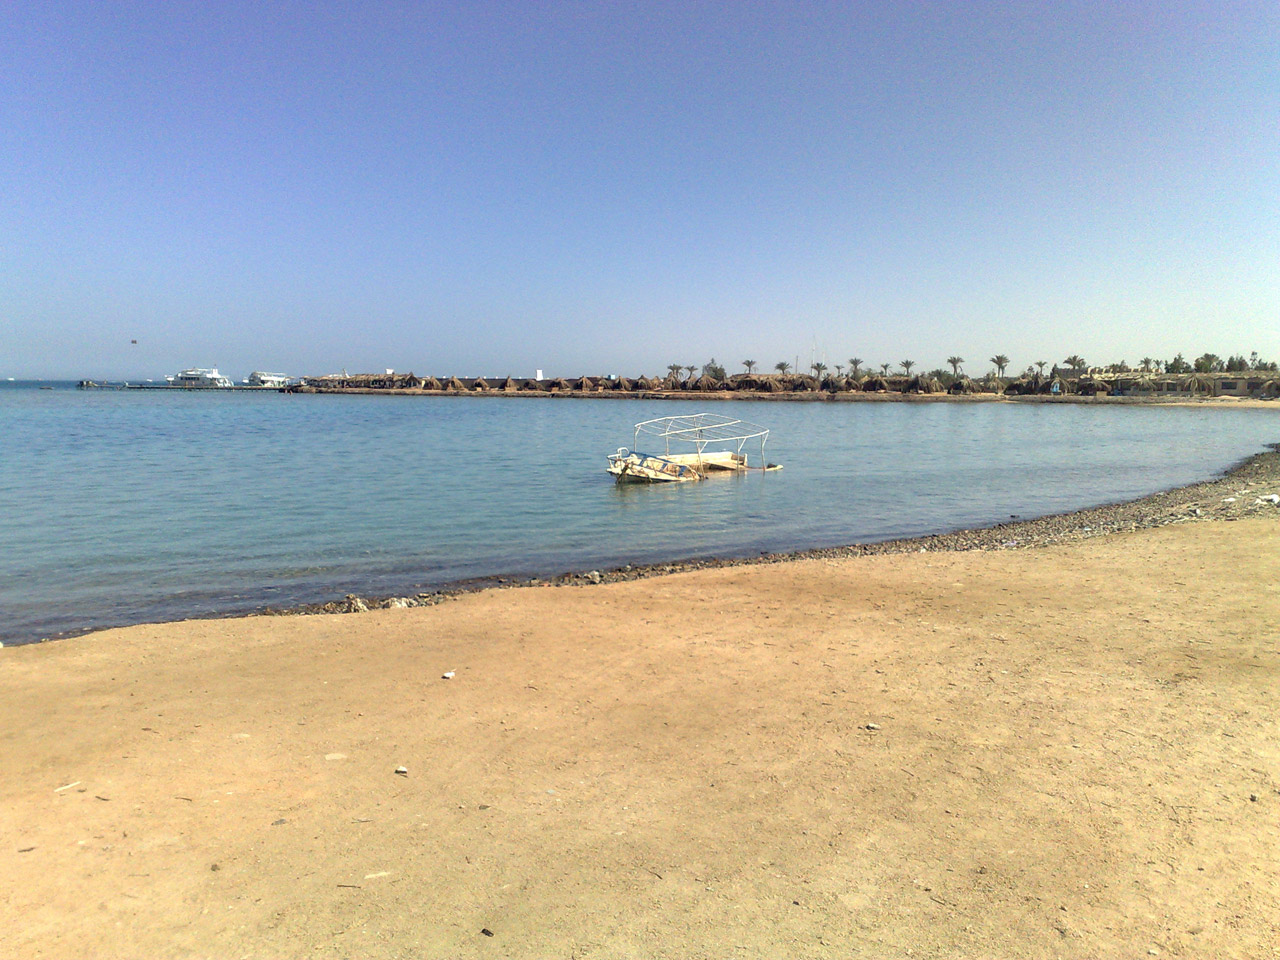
(448, 676)
(486, 931)
(375, 876)
(25, 849)
(66, 787)
(403, 771)
(277, 823)
(873, 726)
(335, 756)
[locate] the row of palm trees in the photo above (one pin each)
(1206, 363)
(855, 366)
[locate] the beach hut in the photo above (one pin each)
(962, 386)
(875, 384)
(803, 383)
(455, 384)
(1269, 390)
(744, 382)
(770, 385)
(1092, 387)
(832, 384)
(431, 383)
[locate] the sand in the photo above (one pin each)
(1067, 751)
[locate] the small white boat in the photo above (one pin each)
(200, 378)
(715, 444)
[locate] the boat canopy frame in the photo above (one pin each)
(702, 429)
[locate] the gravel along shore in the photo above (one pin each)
(1251, 488)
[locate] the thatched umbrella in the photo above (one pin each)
(742, 381)
(535, 386)
(705, 384)
(481, 384)
(922, 384)
(1197, 383)
(672, 382)
(431, 383)
(832, 384)
(622, 383)
(455, 384)
(412, 383)
(560, 383)
(803, 383)
(962, 386)
(852, 384)
(771, 385)
(875, 384)
(1092, 387)
(1270, 389)
(509, 385)
(649, 383)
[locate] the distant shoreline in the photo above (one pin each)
(816, 396)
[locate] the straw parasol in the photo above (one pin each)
(455, 384)
(431, 383)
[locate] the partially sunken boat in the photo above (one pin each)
(706, 444)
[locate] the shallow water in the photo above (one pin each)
(131, 506)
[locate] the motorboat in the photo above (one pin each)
(706, 444)
(200, 378)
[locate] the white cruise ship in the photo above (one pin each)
(203, 378)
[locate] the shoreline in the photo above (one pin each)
(1065, 751)
(799, 396)
(1220, 497)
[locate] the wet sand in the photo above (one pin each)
(1062, 751)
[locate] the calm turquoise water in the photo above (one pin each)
(132, 506)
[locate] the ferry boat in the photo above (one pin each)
(200, 378)
(717, 445)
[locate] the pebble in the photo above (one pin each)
(594, 576)
(873, 726)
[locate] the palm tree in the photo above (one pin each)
(782, 366)
(907, 365)
(692, 368)
(673, 369)
(1146, 364)
(1001, 361)
(749, 364)
(839, 369)
(818, 369)
(1208, 363)
(955, 365)
(884, 368)
(1040, 365)
(854, 364)
(1075, 362)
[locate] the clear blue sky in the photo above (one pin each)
(490, 188)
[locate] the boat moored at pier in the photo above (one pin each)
(200, 378)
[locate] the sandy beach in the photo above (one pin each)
(1063, 751)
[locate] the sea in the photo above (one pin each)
(134, 506)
